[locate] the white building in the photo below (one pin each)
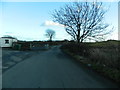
(7, 41)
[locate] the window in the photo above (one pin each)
(6, 41)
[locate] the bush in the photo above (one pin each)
(97, 56)
(103, 56)
(107, 54)
(79, 49)
(102, 53)
(21, 46)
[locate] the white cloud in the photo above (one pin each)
(51, 23)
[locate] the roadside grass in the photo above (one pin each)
(103, 57)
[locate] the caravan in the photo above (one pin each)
(7, 41)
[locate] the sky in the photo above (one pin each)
(29, 20)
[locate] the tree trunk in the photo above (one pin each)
(78, 36)
(50, 38)
(78, 40)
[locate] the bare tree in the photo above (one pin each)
(50, 34)
(82, 20)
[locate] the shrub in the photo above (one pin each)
(21, 46)
(103, 56)
(106, 55)
(80, 49)
(97, 56)
(102, 53)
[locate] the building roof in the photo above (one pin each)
(9, 37)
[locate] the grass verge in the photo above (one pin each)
(110, 73)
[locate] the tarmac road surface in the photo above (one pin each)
(12, 57)
(52, 69)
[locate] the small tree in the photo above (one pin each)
(82, 20)
(50, 34)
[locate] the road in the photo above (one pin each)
(52, 69)
(12, 57)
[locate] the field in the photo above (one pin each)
(103, 57)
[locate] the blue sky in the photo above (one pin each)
(27, 20)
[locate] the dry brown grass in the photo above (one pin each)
(108, 57)
(104, 57)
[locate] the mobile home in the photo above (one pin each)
(7, 41)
